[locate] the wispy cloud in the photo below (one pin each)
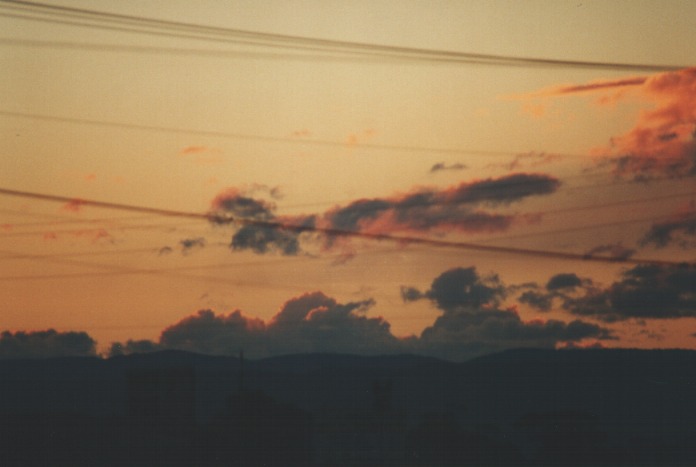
(441, 166)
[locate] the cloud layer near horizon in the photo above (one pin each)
(471, 324)
(459, 208)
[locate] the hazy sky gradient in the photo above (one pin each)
(304, 137)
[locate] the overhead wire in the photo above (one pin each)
(263, 138)
(335, 232)
(328, 143)
(129, 23)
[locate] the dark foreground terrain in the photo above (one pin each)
(520, 407)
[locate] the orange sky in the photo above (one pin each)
(577, 160)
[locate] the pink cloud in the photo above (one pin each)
(661, 141)
(303, 133)
(203, 155)
(193, 150)
(74, 205)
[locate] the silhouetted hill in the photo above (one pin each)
(626, 406)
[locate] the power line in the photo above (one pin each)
(189, 52)
(202, 32)
(271, 139)
(334, 232)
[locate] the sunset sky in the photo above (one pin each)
(371, 117)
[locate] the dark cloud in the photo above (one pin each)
(615, 250)
(133, 347)
(207, 332)
(309, 323)
(234, 202)
(505, 190)
(165, 250)
(457, 208)
(680, 231)
(43, 344)
(364, 210)
(454, 208)
(542, 301)
(317, 323)
(643, 292)
(463, 333)
(189, 244)
(563, 280)
(462, 287)
(442, 166)
(472, 323)
(261, 239)
(256, 236)
(410, 294)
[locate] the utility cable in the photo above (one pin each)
(334, 232)
(188, 31)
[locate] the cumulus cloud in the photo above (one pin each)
(456, 208)
(473, 323)
(312, 322)
(462, 287)
(558, 286)
(643, 292)
(564, 281)
(43, 344)
(207, 332)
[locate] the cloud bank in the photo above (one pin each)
(471, 323)
(642, 292)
